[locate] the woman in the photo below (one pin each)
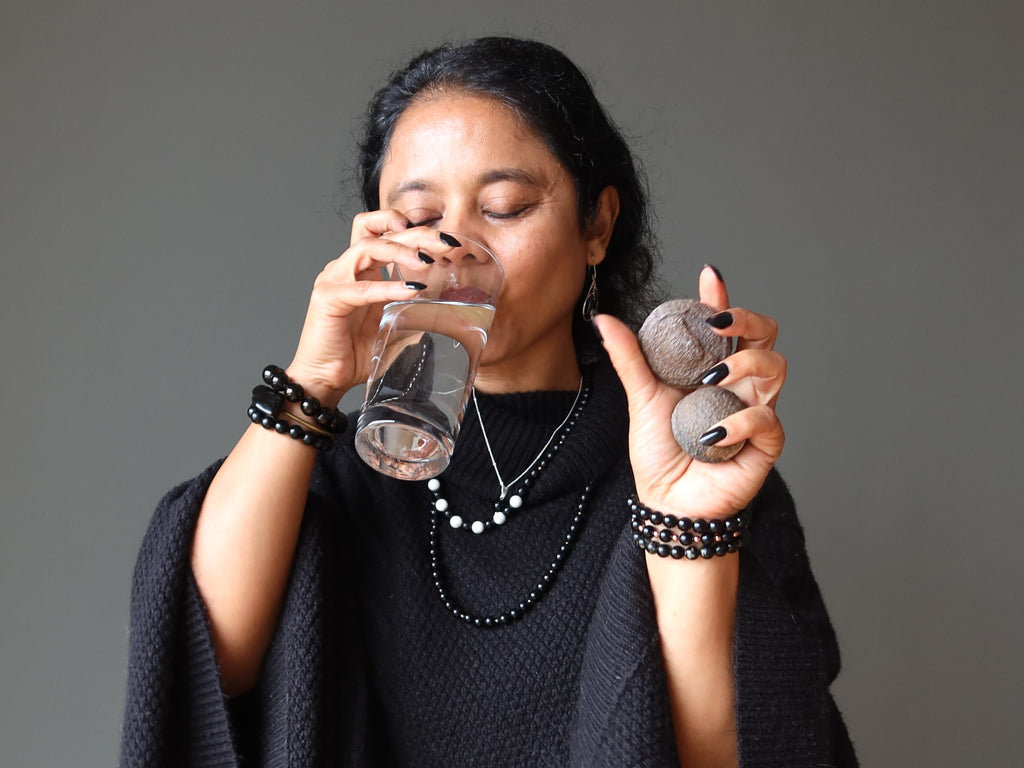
(334, 619)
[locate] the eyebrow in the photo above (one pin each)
(515, 175)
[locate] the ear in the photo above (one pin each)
(602, 223)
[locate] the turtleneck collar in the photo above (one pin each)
(519, 424)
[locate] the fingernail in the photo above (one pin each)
(412, 285)
(712, 436)
(449, 240)
(597, 331)
(720, 320)
(425, 258)
(716, 374)
(715, 269)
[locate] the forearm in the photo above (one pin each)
(243, 547)
(695, 603)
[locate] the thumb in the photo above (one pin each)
(628, 360)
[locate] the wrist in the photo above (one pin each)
(318, 382)
(284, 406)
(668, 535)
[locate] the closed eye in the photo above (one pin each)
(423, 222)
(501, 215)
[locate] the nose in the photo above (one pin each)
(468, 248)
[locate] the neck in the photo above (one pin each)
(553, 367)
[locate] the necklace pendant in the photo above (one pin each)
(504, 493)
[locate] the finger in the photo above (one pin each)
(751, 330)
(366, 257)
(428, 241)
(756, 376)
(342, 296)
(628, 360)
(759, 425)
(377, 223)
(712, 288)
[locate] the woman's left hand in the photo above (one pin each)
(667, 478)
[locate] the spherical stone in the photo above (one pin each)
(477, 527)
(696, 413)
(679, 345)
(455, 521)
(515, 501)
(499, 518)
(434, 484)
(441, 505)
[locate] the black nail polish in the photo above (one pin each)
(413, 285)
(712, 436)
(597, 331)
(718, 274)
(449, 240)
(716, 374)
(425, 258)
(720, 320)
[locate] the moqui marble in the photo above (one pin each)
(679, 345)
(698, 412)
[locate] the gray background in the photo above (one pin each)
(169, 181)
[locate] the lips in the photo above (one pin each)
(466, 294)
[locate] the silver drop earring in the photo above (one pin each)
(590, 300)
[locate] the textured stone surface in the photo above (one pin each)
(678, 343)
(696, 414)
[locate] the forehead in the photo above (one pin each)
(451, 132)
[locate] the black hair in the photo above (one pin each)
(540, 85)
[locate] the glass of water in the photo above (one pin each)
(424, 361)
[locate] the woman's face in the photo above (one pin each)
(464, 163)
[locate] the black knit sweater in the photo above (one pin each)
(368, 667)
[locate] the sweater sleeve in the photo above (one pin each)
(175, 711)
(311, 704)
(786, 654)
(785, 657)
(623, 715)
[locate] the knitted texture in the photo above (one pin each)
(368, 667)
(175, 714)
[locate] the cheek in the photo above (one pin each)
(546, 254)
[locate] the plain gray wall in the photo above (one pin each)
(169, 177)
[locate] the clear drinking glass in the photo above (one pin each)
(424, 362)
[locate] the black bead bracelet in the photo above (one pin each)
(268, 401)
(265, 410)
(667, 535)
(329, 420)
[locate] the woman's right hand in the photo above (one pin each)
(344, 311)
(245, 537)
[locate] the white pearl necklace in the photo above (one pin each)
(503, 508)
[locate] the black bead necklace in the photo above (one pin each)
(506, 503)
(530, 599)
(440, 508)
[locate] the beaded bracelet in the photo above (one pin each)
(265, 410)
(330, 420)
(268, 400)
(667, 535)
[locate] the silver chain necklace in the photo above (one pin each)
(506, 503)
(517, 501)
(440, 510)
